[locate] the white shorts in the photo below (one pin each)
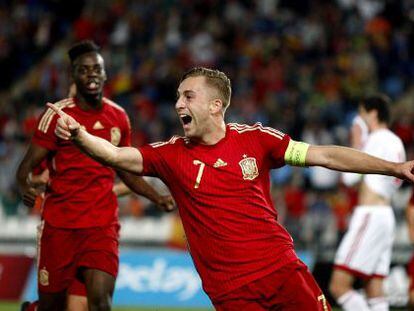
(365, 250)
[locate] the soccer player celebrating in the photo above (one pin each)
(365, 251)
(218, 174)
(80, 229)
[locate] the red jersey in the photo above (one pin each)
(411, 202)
(223, 195)
(79, 193)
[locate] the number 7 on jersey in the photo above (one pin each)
(200, 172)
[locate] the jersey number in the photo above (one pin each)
(200, 172)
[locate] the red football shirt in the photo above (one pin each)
(223, 195)
(79, 193)
(411, 202)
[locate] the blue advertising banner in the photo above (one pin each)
(156, 278)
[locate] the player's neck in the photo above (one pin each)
(213, 135)
(377, 126)
(89, 102)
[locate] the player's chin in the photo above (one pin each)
(188, 133)
(93, 91)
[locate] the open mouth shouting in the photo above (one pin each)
(186, 120)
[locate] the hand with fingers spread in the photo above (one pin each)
(66, 127)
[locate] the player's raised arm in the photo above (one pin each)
(351, 160)
(346, 160)
(123, 158)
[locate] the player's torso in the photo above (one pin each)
(104, 123)
(225, 186)
(378, 189)
(231, 169)
(223, 194)
(79, 193)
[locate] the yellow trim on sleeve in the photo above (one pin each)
(296, 153)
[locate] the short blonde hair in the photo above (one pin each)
(214, 78)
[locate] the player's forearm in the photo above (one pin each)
(124, 158)
(22, 175)
(96, 147)
(25, 169)
(138, 185)
(350, 160)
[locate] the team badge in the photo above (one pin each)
(249, 168)
(44, 277)
(115, 136)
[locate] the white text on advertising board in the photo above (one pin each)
(159, 277)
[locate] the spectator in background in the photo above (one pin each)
(79, 232)
(365, 251)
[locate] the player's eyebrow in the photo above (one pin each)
(185, 93)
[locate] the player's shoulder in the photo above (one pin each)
(49, 113)
(384, 135)
(255, 129)
(172, 142)
(113, 105)
(64, 103)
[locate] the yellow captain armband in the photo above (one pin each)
(296, 153)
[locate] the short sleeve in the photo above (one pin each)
(125, 131)
(153, 161)
(44, 134)
(274, 144)
(412, 198)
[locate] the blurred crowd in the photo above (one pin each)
(298, 66)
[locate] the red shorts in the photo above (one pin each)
(290, 288)
(61, 252)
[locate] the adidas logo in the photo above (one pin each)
(98, 126)
(219, 163)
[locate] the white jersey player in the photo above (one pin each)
(359, 132)
(365, 251)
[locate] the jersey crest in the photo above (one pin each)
(249, 168)
(44, 277)
(115, 136)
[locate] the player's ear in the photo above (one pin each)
(105, 77)
(216, 105)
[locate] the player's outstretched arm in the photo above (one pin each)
(351, 160)
(121, 158)
(34, 155)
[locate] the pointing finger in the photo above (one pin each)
(56, 109)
